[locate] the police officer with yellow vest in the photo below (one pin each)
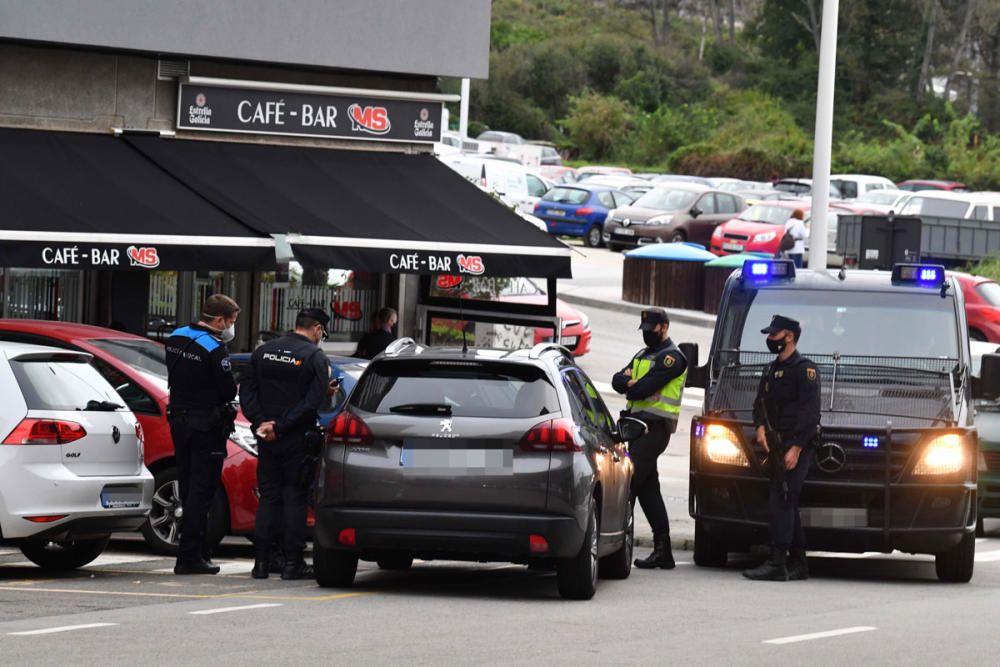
(653, 383)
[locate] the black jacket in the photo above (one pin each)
(287, 382)
(373, 342)
(791, 392)
(198, 368)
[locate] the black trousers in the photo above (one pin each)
(783, 514)
(281, 515)
(200, 449)
(645, 480)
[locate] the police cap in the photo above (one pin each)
(782, 323)
(653, 316)
(317, 314)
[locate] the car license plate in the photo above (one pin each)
(423, 459)
(834, 517)
(569, 340)
(625, 231)
(557, 211)
(121, 497)
(732, 247)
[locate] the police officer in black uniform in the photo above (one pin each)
(790, 387)
(283, 389)
(201, 418)
(653, 383)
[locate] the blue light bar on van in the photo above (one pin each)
(920, 275)
(768, 270)
(870, 442)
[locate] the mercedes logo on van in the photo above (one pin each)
(116, 435)
(831, 458)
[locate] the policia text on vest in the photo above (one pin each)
(653, 383)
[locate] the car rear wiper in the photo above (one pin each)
(423, 408)
(101, 406)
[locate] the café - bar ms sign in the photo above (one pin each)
(221, 105)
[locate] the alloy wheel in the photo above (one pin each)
(166, 513)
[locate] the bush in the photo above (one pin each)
(597, 125)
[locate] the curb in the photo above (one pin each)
(683, 316)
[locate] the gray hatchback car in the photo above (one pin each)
(479, 455)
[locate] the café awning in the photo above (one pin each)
(90, 201)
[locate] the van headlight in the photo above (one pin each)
(943, 455)
(244, 439)
(721, 445)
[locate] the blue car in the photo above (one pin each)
(346, 369)
(579, 210)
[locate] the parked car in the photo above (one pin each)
(916, 184)
(757, 229)
(740, 187)
(802, 187)
(480, 455)
(852, 186)
(667, 179)
(575, 335)
(951, 204)
(982, 306)
(560, 175)
(501, 137)
(71, 457)
(550, 156)
(136, 367)
(579, 210)
(884, 201)
(988, 426)
(834, 255)
(584, 173)
(676, 212)
(636, 187)
(514, 184)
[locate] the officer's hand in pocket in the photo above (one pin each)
(762, 439)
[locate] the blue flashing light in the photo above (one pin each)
(758, 269)
(699, 430)
(920, 275)
(764, 270)
(870, 442)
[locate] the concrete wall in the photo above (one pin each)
(428, 37)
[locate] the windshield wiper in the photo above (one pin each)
(101, 406)
(423, 408)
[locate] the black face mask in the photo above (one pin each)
(776, 346)
(651, 338)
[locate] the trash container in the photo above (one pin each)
(717, 272)
(671, 275)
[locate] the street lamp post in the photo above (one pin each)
(823, 141)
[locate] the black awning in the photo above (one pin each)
(90, 201)
(364, 210)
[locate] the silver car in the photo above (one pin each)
(481, 455)
(71, 467)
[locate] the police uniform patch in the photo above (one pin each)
(811, 374)
(226, 365)
(668, 361)
(779, 374)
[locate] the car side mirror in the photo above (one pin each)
(630, 428)
(989, 378)
(695, 212)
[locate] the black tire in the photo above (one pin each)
(577, 576)
(63, 556)
(592, 239)
(619, 564)
(614, 247)
(955, 566)
(398, 563)
(678, 237)
(161, 529)
(976, 334)
(980, 527)
(334, 568)
(708, 551)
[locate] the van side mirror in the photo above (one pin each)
(989, 378)
(630, 428)
(696, 374)
(690, 352)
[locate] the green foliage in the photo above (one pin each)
(597, 124)
(988, 268)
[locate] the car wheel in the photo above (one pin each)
(976, 334)
(614, 247)
(395, 563)
(955, 565)
(619, 564)
(980, 527)
(593, 237)
(678, 237)
(708, 552)
(162, 528)
(64, 555)
(577, 576)
(334, 568)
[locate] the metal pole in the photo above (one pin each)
(463, 110)
(824, 135)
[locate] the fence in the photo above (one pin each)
(43, 294)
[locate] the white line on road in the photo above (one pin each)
(820, 635)
(223, 610)
(64, 628)
(987, 556)
(225, 567)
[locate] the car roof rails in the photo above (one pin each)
(399, 345)
(538, 350)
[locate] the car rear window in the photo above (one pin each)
(54, 384)
(468, 388)
(561, 195)
(990, 292)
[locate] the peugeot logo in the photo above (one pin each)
(626, 222)
(445, 425)
(116, 435)
(832, 458)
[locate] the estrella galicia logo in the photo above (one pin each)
(373, 120)
(146, 258)
(200, 99)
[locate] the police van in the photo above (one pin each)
(896, 465)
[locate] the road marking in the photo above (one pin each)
(820, 635)
(225, 568)
(118, 593)
(226, 610)
(296, 598)
(987, 556)
(120, 559)
(64, 628)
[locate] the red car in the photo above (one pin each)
(575, 324)
(757, 229)
(136, 367)
(982, 306)
(913, 185)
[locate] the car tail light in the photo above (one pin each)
(348, 537)
(586, 210)
(349, 429)
(48, 518)
(538, 544)
(45, 432)
(538, 206)
(140, 436)
(555, 435)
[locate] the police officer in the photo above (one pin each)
(201, 418)
(790, 388)
(653, 383)
(285, 386)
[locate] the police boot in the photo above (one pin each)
(297, 570)
(261, 566)
(661, 557)
(277, 563)
(197, 566)
(773, 569)
(798, 565)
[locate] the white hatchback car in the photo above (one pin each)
(71, 457)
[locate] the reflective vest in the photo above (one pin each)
(666, 403)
